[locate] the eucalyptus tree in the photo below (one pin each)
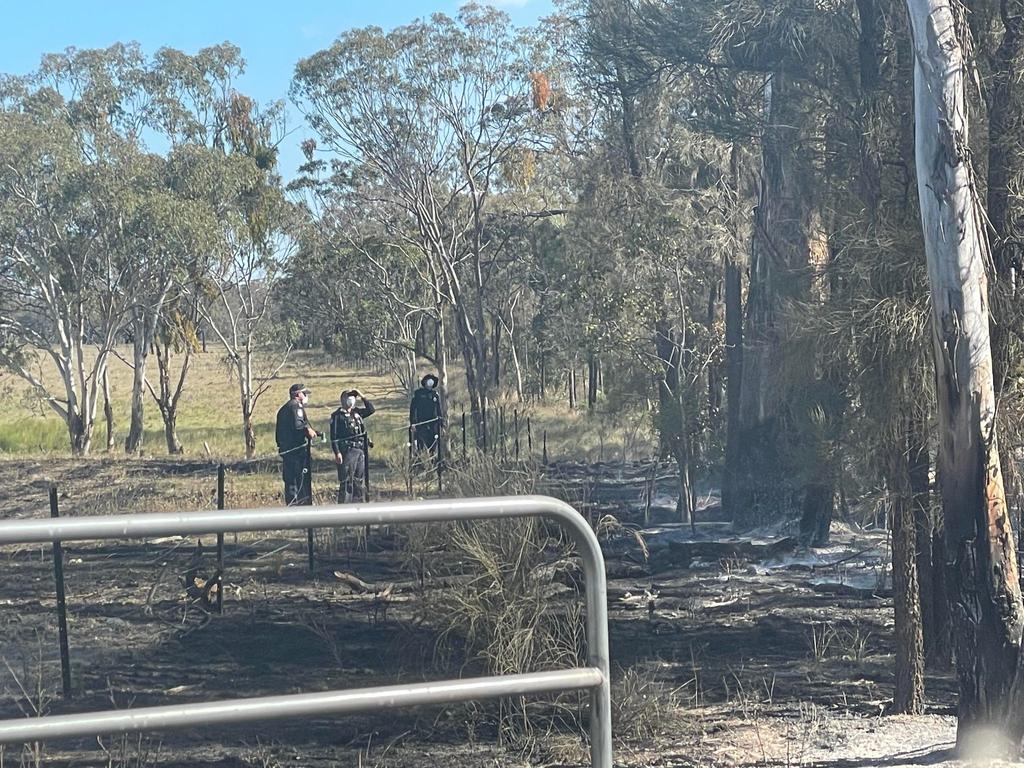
(988, 618)
(72, 174)
(425, 115)
(258, 230)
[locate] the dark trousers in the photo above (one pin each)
(426, 437)
(297, 481)
(352, 476)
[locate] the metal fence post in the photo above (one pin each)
(308, 483)
(62, 610)
(220, 541)
(366, 466)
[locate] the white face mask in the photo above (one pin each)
(348, 402)
(431, 384)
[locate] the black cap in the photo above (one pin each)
(428, 377)
(297, 388)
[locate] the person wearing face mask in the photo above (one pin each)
(349, 442)
(425, 416)
(293, 435)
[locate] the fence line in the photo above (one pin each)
(595, 677)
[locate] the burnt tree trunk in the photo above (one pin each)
(984, 587)
(816, 517)
(592, 382)
(673, 423)
(919, 468)
(779, 272)
(908, 693)
(733, 354)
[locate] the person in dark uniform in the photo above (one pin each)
(349, 442)
(293, 435)
(425, 416)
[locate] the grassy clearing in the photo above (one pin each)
(209, 413)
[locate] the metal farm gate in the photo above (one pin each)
(593, 677)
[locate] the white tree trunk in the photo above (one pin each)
(985, 592)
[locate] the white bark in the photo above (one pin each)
(985, 590)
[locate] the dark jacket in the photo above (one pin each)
(425, 408)
(347, 427)
(291, 426)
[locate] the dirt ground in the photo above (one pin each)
(730, 652)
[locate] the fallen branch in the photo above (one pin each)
(363, 586)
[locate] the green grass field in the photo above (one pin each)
(210, 414)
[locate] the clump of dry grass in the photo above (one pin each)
(499, 613)
(642, 706)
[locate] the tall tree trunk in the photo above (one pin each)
(1006, 217)
(543, 375)
(168, 397)
(443, 379)
(245, 385)
(140, 353)
(779, 272)
(1005, 174)
(170, 420)
(715, 369)
(908, 694)
(248, 433)
(733, 352)
(496, 353)
(145, 319)
(943, 643)
(592, 382)
(572, 385)
(627, 105)
(918, 470)
(816, 517)
(473, 344)
(520, 394)
(673, 425)
(984, 586)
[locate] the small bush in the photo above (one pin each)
(499, 615)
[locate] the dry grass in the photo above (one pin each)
(500, 613)
(209, 414)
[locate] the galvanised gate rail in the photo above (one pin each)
(594, 677)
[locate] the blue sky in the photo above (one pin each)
(273, 35)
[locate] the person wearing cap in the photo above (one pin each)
(425, 416)
(293, 435)
(349, 442)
